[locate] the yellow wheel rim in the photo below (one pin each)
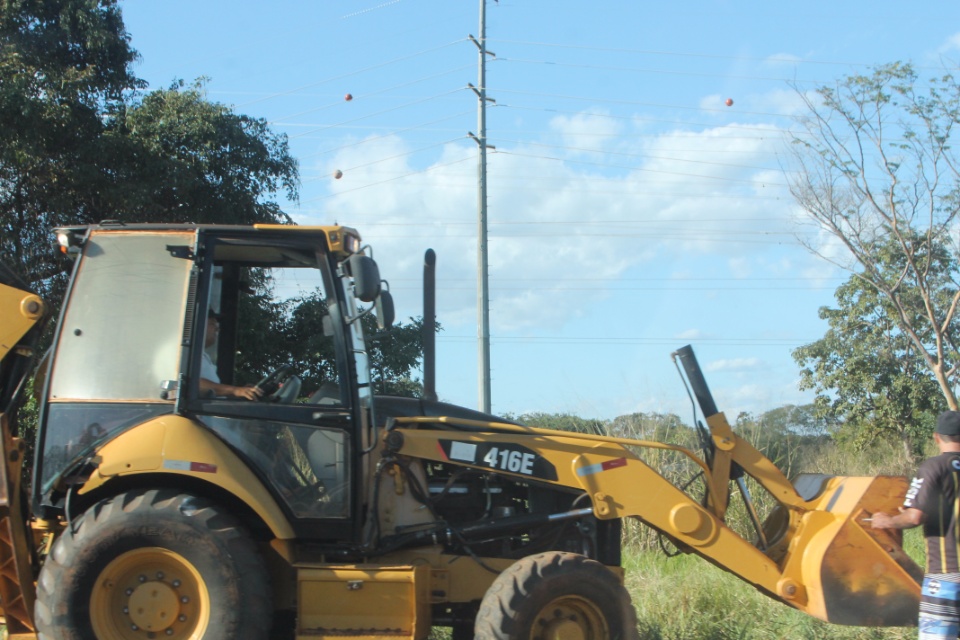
(570, 618)
(150, 593)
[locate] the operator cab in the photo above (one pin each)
(136, 339)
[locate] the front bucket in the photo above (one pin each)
(852, 574)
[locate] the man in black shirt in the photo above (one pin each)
(932, 501)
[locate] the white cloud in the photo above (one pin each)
(950, 45)
(587, 132)
(693, 334)
(739, 267)
(735, 364)
(561, 230)
(780, 60)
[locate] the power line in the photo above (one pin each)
(688, 54)
(352, 73)
(641, 169)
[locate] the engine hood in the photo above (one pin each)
(398, 407)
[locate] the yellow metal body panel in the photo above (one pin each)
(176, 445)
(336, 234)
(452, 578)
(373, 602)
(21, 310)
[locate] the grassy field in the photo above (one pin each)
(687, 598)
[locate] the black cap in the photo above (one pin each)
(948, 423)
(211, 313)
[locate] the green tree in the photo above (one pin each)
(866, 371)
(174, 155)
(292, 332)
(80, 143)
(877, 170)
(65, 66)
(786, 434)
(394, 354)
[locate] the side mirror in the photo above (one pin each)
(366, 277)
(385, 311)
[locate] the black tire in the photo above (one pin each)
(553, 594)
(154, 563)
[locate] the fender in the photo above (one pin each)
(176, 445)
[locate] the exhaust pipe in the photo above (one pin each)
(699, 384)
(429, 336)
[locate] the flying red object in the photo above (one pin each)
(729, 102)
(338, 174)
(348, 97)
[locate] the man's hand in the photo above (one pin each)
(906, 519)
(219, 390)
(248, 393)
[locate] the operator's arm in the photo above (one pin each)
(906, 519)
(229, 390)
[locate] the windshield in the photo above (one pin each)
(119, 346)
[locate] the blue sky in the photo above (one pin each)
(631, 211)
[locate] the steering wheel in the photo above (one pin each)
(271, 383)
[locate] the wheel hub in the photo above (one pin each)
(570, 619)
(154, 606)
(150, 593)
(564, 630)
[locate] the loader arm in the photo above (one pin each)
(22, 313)
(822, 561)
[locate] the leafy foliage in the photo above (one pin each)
(866, 370)
(82, 144)
(177, 155)
(275, 332)
(64, 69)
(394, 354)
(560, 422)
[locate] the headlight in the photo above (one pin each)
(351, 243)
(69, 242)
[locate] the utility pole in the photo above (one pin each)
(483, 289)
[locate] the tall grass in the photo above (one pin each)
(685, 598)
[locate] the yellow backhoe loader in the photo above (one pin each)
(160, 510)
